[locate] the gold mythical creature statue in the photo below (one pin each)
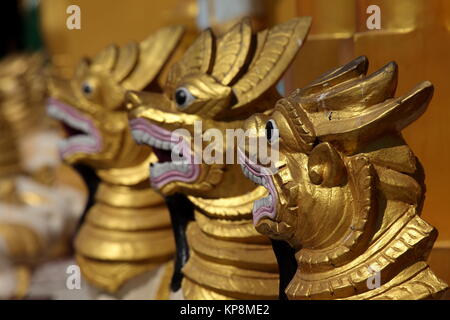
(20, 242)
(348, 191)
(37, 210)
(217, 84)
(127, 232)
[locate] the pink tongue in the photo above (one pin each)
(163, 155)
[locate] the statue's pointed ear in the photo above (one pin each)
(325, 166)
(153, 53)
(105, 59)
(275, 50)
(392, 115)
(232, 51)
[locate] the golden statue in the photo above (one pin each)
(348, 191)
(220, 82)
(125, 244)
(37, 210)
(19, 239)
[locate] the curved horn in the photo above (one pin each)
(153, 53)
(232, 52)
(352, 70)
(276, 49)
(105, 59)
(197, 59)
(391, 115)
(128, 57)
(357, 93)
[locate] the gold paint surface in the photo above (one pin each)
(350, 191)
(23, 243)
(415, 34)
(127, 231)
(110, 275)
(230, 76)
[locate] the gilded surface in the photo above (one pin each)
(224, 80)
(22, 92)
(127, 231)
(339, 33)
(349, 191)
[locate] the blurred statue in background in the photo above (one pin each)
(38, 211)
(125, 244)
(348, 191)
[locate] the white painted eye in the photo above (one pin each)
(87, 89)
(272, 132)
(183, 97)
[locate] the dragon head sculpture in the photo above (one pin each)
(348, 191)
(216, 85)
(91, 105)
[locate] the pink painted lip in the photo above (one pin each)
(75, 148)
(153, 130)
(140, 124)
(262, 172)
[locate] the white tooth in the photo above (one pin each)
(52, 111)
(72, 122)
(258, 203)
(157, 169)
(85, 126)
(150, 140)
(165, 145)
(158, 144)
(55, 112)
(143, 137)
(62, 144)
(79, 124)
(137, 135)
(82, 139)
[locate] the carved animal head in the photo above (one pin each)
(345, 174)
(218, 83)
(91, 105)
(23, 91)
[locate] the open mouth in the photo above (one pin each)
(175, 159)
(263, 207)
(82, 136)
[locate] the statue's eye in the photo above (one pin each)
(183, 97)
(87, 88)
(272, 132)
